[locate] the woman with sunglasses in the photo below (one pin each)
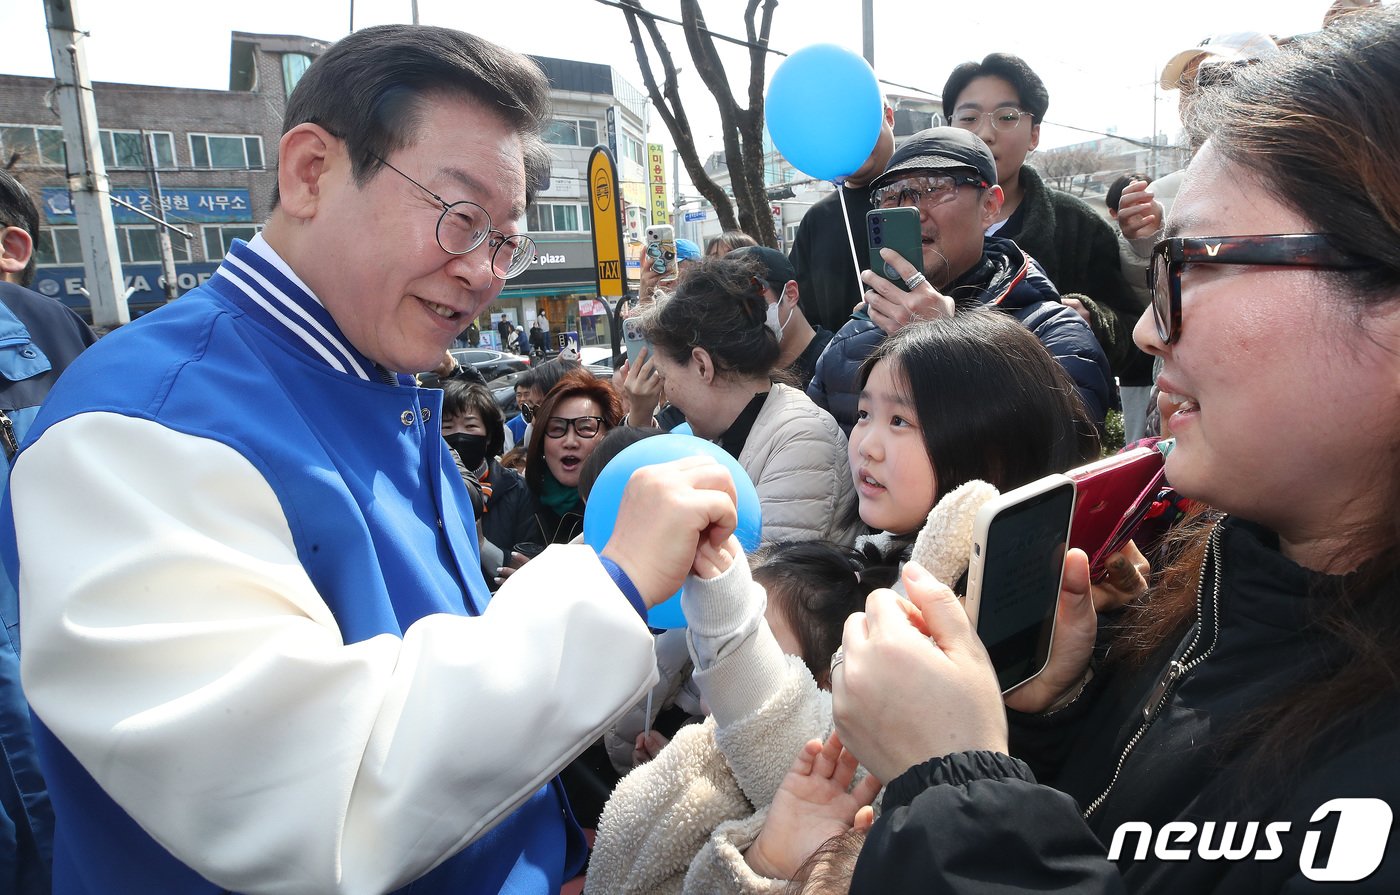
(1239, 734)
(568, 425)
(716, 341)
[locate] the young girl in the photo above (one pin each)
(971, 396)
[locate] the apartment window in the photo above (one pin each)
(127, 149)
(37, 145)
(545, 217)
(58, 245)
(294, 65)
(571, 132)
(218, 239)
(141, 245)
(634, 150)
(226, 151)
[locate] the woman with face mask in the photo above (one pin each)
(473, 429)
(716, 346)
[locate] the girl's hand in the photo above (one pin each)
(1076, 625)
(891, 308)
(812, 805)
(900, 696)
(1139, 213)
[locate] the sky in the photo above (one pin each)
(1098, 58)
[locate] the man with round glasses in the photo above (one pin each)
(950, 176)
(277, 666)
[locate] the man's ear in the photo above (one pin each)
(16, 247)
(1035, 138)
(305, 154)
(789, 293)
(704, 365)
(992, 199)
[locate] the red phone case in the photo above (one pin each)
(1112, 495)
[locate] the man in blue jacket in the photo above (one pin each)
(39, 337)
(949, 175)
(262, 657)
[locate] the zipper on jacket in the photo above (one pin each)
(7, 435)
(1179, 667)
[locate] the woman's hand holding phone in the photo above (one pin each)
(640, 385)
(1076, 627)
(900, 696)
(892, 308)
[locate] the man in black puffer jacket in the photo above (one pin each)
(949, 175)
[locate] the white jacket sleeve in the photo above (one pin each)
(177, 648)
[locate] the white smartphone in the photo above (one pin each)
(635, 338)
(661, 250)
(1014, 575)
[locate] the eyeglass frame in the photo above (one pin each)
(571, 422)
(956, 179)
(1020, 113)
(1306, 250)
(528, 244)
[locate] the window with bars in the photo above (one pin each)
(546, 217)
(126, 149)
(226, 151)
(36, 145)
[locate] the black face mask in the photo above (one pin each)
(471, 448)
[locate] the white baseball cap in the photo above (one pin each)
(1236, 46)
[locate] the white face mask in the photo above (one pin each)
(772, 321)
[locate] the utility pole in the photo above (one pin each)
(88, 186)
(167, 255)
(867, 25)
(415, 12)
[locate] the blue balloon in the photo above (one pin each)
(682, 429)
(600, 513)
(823, 111)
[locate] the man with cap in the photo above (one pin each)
(799, 343)
(949, 175)
(1142, 210)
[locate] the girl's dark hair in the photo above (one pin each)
(730, 240)
(370, 87)
(462, 397)
(577, 383)
(614, 442)
(1011, 69)
(718, 306)
(1313, 126)
(992, 403)
(816, 586)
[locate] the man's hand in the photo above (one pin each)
(667, 510)
(640, 385)
(648, 745)
(810, 807)
(901, 697)
(891, 308)
(1076, 306)
(1139, 214)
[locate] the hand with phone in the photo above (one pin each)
(901, 696)
(639, 383)
(903, 294)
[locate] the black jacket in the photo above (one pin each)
(827, 287)
(1079, 252)
(509, 518)
(981, 821)
(1006, 278)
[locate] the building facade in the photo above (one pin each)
(214, 155)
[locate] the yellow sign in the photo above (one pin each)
(607, 223)
(656, 172)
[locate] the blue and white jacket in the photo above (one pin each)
(261, 657)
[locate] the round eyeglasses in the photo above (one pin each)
(465, 225)
(1004, 119)
(928, 190)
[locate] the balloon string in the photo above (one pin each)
(850, 237)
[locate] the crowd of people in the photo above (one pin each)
(313, 627)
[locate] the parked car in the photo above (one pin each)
(491, 363)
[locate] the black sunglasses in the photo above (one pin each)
(1313, 250)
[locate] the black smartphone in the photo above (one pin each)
(898, 229)
(1014, 575)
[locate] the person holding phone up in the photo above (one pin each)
(949, 175)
